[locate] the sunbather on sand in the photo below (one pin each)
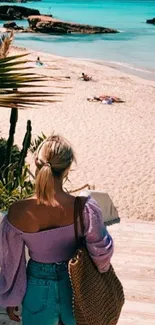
(38, 62)
(104, 98)
(85, 77)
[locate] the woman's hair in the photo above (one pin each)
(53, 159)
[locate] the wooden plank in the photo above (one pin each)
(134, 262)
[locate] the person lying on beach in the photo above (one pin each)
(38, 62)
(85, 77)
(105, 99)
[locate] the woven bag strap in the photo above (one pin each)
(78, 213)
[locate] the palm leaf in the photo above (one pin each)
(14, 57)
(13, 76)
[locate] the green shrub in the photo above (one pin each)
(18, 184)
(9, 193)
(15, 153)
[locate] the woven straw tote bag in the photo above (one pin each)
(97, 297)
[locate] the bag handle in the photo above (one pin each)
(78, 213)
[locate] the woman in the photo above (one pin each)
(45, 225)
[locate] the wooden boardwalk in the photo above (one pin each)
(134, 262)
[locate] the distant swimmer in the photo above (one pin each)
(38, 62)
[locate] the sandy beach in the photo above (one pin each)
(114, 144)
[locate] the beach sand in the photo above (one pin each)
(114, 144)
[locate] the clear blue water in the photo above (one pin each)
(134, 46)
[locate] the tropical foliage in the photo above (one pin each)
(36, 142)
(19, 182)
(15, 153)
(18, 90)
(16, 78)
(10, 193)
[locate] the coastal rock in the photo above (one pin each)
(9, 12)
(16, 1)
(151, 21)
(12, 25)
(19, 1)
(47, 24)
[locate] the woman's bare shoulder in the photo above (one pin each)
(19, 212)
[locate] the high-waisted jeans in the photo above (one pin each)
(48, 297)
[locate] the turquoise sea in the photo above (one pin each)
(133, 47)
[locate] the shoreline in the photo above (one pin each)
(128, 68)
(131, 45)
(121, 67)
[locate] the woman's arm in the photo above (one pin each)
(12, 265)
(98, 240)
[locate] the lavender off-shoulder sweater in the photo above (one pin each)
(49, 246)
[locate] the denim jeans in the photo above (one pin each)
(48, 296)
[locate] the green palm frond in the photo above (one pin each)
(14, 74)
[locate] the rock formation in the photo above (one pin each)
(47, 24)
(19, 1)
(151, 21)
(9, 12)
(15, 1)
(12, 25)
